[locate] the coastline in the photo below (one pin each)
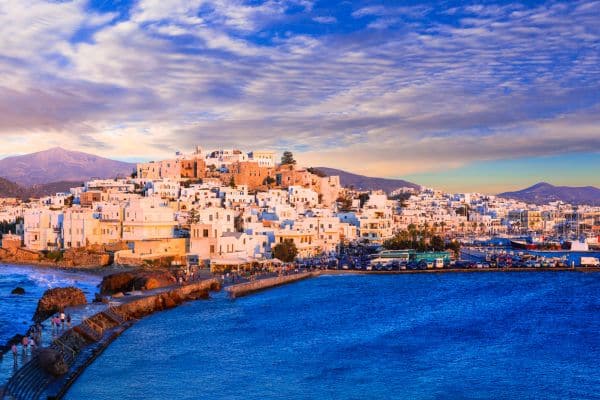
(96, 270)
(152, 301)
(96, 333)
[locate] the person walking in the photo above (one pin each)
(68, 320)
(14, 350)
(24, 343)
(62, 319)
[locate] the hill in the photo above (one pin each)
(543, 192)
(60, 165)
(10, 189)
(362, 182)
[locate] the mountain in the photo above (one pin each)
(9, 189)
(362, 182)
(57, 164)
(543, 192)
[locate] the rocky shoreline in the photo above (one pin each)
(78, 347)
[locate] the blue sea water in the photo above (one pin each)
(530, 335)
(16, 311)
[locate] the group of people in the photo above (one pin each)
(34, 338)
(187, 277)
(58, 322)
(30, 343)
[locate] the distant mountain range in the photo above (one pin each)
(361, 182)
(54, 170)
(543, 192)
(57, 164)
(11, 189)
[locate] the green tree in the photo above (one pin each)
(194, 216)
(288, 158)
(286, 251)
(437, 243)
(363, 197)
(268, 181)
(344, 203)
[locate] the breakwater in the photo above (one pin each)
(78, 347)
(243, 289)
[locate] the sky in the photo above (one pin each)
(460, 95)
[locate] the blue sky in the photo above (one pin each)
(459, 95)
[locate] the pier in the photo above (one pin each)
(243, 289)
(80, 345)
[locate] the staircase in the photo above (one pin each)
(30, 381)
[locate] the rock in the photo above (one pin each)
(153, 280)
(57, 299)
(52, 361)
(118, 282)
(18, 290)
(200, 294)
(168, 301)
(129, 281)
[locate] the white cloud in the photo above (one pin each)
(325, 19)
(503, 82)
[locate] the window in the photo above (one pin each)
(205, 233)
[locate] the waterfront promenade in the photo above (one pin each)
(95, 327)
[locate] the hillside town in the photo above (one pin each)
(229, 207)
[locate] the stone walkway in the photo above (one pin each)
(78, 314)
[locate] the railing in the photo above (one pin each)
(64, 347)
(94, 326)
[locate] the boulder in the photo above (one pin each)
(199, 294)
(117, 282)
(52, 362)
(142, 280)
(154, 280)
(57, 299)
(18, 290)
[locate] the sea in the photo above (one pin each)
(499, 335)
(16, 311)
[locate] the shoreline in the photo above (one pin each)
(96, 333)
(98, 270)
(136, 307)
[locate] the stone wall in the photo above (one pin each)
(148, 304)
(244, 289)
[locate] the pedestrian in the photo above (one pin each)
(32, 344)
(14, 350)
(56, 322)
(62, 319)
(69, 320)
(24, 343)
